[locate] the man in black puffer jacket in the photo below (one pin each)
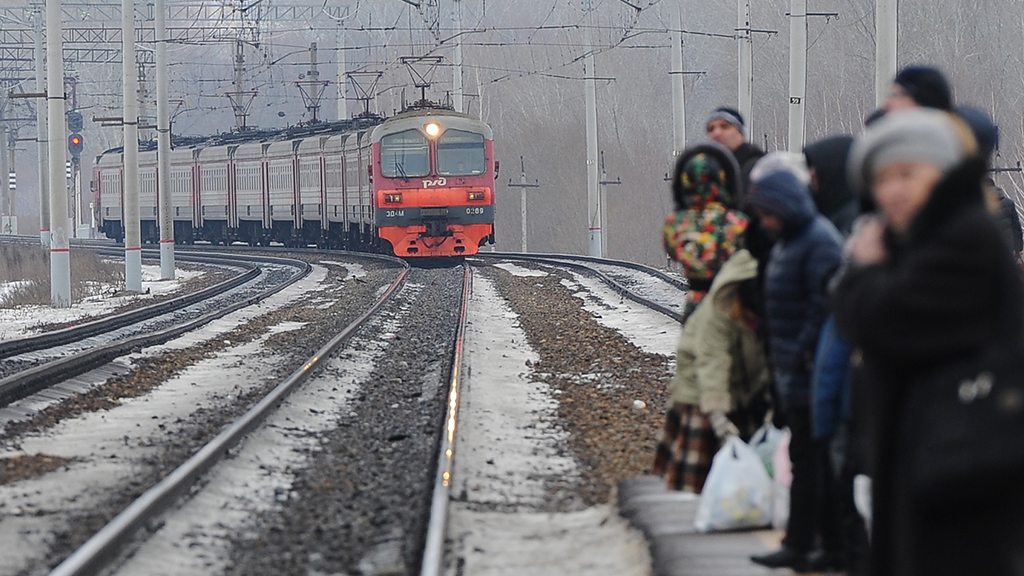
(808, 250)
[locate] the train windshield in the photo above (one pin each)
(460, 153)
(404, 154)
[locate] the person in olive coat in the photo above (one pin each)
(932, 283)
(721, 376)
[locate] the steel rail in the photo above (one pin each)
(680, 283)
(29, 381)
(84, 330)
(99, 549)
(433, 551)
(566, 261)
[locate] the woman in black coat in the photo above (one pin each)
(931, 283)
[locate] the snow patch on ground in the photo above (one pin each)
(507, 454)
(517, 270)
(25, 320)
(9, 287)
(106, 445)
(194, 539)
(354, 270)
(649, 330)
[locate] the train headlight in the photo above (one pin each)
(432, 129)
(392, 198)
(476, 196)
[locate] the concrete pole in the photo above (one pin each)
(457, 79)
(12, 184)
(677, 77)
(522, 189)
(131, 218)
(745, 97)
(240, 101)
(143, 99)
(163, 142)
(522, 219)
(41, 137)
(6, 166)
(342, 77)
(886, 25)
(797, 72)
(593, 174)
(604, 204)
(79, 216)
(60, 250)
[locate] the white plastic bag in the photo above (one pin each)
(862, 498)
(781, 482)
(764, 442)
(737, 493)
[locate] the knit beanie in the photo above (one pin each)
(915, 134)
(730, 115)
(926, 86)
(986, 133)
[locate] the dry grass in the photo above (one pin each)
(90, 274)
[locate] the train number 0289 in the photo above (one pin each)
(475, 210)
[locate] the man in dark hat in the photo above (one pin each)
(727, 127)
(922, 86)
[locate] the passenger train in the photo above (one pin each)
(418, 184)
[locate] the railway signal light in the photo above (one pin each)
(75, 121)
(75, 145)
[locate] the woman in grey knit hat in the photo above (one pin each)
(932, 284)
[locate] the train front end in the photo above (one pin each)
(433, 183)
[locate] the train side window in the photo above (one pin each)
(461, 153)
(404, 154)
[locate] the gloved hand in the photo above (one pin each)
(722, 425)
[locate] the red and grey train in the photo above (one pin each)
(418, 184)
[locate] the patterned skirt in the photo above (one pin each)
(684, 454)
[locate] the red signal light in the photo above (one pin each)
(75, 145)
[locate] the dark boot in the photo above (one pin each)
(783, 558)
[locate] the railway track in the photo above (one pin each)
(409, 411)
(118, 532)
(34, 363)
(377, 472)
(642, 284)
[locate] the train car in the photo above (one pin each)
(296, 186)
(418, 184)
(433, 183)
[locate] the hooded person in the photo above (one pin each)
(986, 134)
(705, 228)
(919, 86)
(830, 190)
(720, 380)
(808, 250)
(931, 284)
